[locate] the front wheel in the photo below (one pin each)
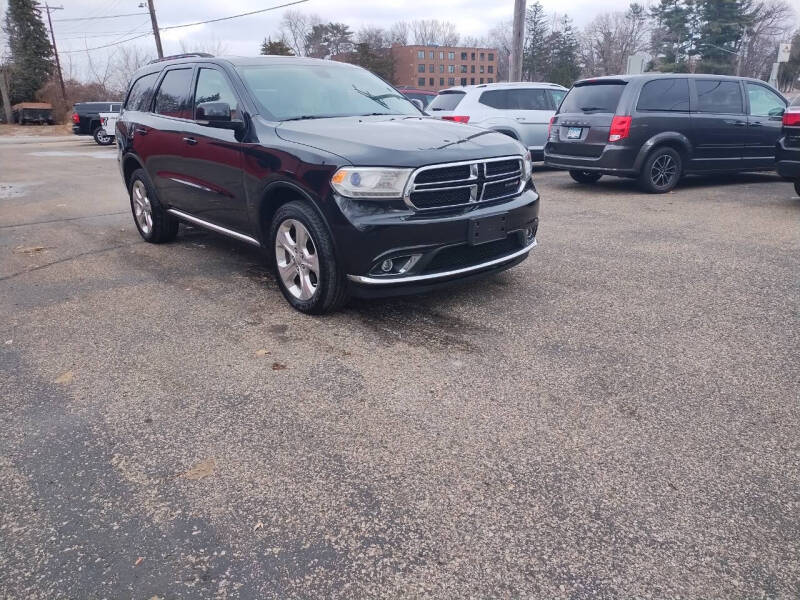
(585, 176)
(102, 138)
(797, 187)
(661, 171)
(304, 261)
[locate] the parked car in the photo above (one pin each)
(424, 96)
(32, 112)
(519, 110)
(108, 121)
(658, 127)
(787, 151)
(86, 120)
(344, 182)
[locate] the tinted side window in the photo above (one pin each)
(139, 96)
(764, 102)
(172, 98)
(447, 100)
(212, 86)
(670, 95)
(717, 96)
(495, 98)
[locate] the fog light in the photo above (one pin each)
(386, 266)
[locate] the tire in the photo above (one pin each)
(316, 284)
(585, 176)
(161, 226)
(797, 187)
(102, 138)
(661, 171)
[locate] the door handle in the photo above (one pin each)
(739, 123)
(140, 131)
(190, 140)
(756, 124)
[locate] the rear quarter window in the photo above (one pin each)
(173, 96)
(593, 97)
(141, 91)
(447, 100)
(665, 95)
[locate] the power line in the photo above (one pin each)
(117, 43)
(96, 18)
(247, 14)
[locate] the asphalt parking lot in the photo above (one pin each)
(617, 417)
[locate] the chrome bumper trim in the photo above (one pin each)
(442, 275)
(229, 232)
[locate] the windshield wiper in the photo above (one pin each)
(378, 99)
(306, 117)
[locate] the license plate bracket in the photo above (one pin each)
(574, 133)
(488, 229)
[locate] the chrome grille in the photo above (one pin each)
(453, 185)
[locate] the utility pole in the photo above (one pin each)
(517, 40)
(55, 50)
(156, 34)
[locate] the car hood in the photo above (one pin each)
(398, 141)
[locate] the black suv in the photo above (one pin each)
(788, 149)
(659, 127)
(340, 178)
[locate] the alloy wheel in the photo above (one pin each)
(297, 259)
(142, 209)
(663, 170)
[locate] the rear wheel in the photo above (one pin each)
(304, 261)
(102, 138)
(585, 176)
(661, 171)
(154, 223)
(797, 187)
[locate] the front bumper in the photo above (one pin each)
(367, 234)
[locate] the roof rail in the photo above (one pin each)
(187, 55)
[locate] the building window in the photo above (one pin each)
(481, 68)
(451, 81)
(472, 56)
(491, 56)
(420, 68)
(490, 80)
(451, 55)
(482, 55)
(472, 68)
(491, 69)
(472, 81)
(463, 81)
(431, 81)
(451, 68)
(431, 69)
(441, 55)
(441, 68)
(463, 56)
(481, 79)
(421, 82)
(421, 54)
(431, 54)
(463, 68)
(441, 80)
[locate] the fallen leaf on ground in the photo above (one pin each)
(258, 526)
(262, 352)
(201, 469)
(278, 367)
(29, 249)
(66, 377)
(138, 561)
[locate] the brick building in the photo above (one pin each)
(437, 67)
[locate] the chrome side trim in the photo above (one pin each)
(229, 232)
(190, 184)
(443, 274)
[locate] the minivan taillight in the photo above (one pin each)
(457, 119)
(620, 128)
(75, 118)
(791, 118)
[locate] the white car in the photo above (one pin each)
(521, 110)
(104, 135)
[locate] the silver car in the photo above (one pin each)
(521, 110)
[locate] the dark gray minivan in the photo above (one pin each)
(658, 127)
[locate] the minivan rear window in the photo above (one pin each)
(593, 97)
(665, 95)
(447, 101)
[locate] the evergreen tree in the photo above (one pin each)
(724, 23)
(276, 48)
(31, 52)
(536, 53)
(671, 37)
(377, 60)
(564, 67)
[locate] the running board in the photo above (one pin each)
(229, 232)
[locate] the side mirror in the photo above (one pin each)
(217, 114)
(418, 104)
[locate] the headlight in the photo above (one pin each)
(527, 166)
(370, 182)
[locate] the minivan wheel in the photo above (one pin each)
(797, 187)
(155, 224)
(585, 176)
(102, 138)
(304, 261)
(661, 171)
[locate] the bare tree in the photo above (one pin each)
(295, 29)
(211, 46)
(373, 37)
(472, 41)
(399, 34)
(499, 37)
(432, 32)
(610, 39)
(772, 23)
(126, 61)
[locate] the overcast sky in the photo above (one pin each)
(243, 36)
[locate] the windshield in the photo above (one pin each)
(286, 92)
(594, 97)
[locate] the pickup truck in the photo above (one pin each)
(86, 119)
